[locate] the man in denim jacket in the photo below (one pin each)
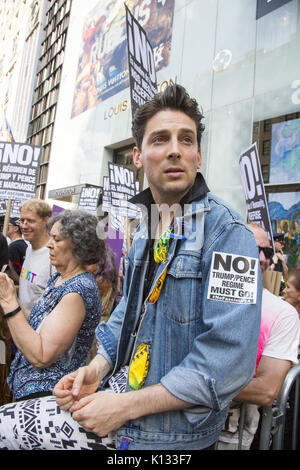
(186, 330)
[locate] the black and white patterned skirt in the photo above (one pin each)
(39, 424)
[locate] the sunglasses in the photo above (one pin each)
(267, 251)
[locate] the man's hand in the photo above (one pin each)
(75, 386)
(101, 412)
(81, 383)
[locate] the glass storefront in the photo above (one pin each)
(241, 66)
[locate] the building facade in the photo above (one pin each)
(238, 59)
(47, 83)
(21, 28)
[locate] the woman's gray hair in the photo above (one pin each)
(80, 227)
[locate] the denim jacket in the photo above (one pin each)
(202, 350)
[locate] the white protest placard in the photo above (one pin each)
(19, 164)
(233, 278)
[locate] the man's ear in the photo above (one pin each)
(199, 158)
(137, 157)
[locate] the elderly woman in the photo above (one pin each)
(59, 331)
(54, 342)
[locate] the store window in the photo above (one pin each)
(276, 116)
(124, 156)
(278, 141)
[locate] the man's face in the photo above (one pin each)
(11, 230)
(169, 155)
(32, 225)
(262, 241)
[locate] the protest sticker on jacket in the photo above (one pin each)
(254, 189)
(142, 74)
(89, 199)
(233, 278)
(19, 165)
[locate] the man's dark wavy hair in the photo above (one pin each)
(174, 97)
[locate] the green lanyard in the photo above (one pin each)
(161, 247)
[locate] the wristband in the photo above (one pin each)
(12, 313)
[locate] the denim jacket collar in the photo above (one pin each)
(198, 190)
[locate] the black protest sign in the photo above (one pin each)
(254, 189)
(89, 199)
(122, 188)
(141, 66)
(106, 197)
(263, 7)
(19, 164)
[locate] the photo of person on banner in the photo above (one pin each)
(102, 66)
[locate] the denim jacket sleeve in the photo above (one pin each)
(222, 359)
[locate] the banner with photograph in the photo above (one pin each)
(89, 199)
(141, 66)
(103, 65)
(254, 189)
(19, 165)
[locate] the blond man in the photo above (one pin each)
(36, 269)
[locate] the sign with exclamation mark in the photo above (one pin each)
(254, 189)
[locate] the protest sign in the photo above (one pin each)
(89, 199)
(56, 210)
(252, 180)
(19, 164)
(233, 278)
(141, 65)
(122, 187)
(106, 197)
(115, 241)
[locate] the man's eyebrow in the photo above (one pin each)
(184, 130)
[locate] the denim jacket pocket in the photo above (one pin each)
(183, 286)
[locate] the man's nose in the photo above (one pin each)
(174, 150)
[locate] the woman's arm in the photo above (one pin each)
(57, 332)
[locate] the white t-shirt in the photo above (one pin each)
(34, 276)
(278, 338)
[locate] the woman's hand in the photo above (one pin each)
(8, 295)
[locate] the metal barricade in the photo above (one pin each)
(279, 411)
(273, 417)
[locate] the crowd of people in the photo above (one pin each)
(159, 357)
